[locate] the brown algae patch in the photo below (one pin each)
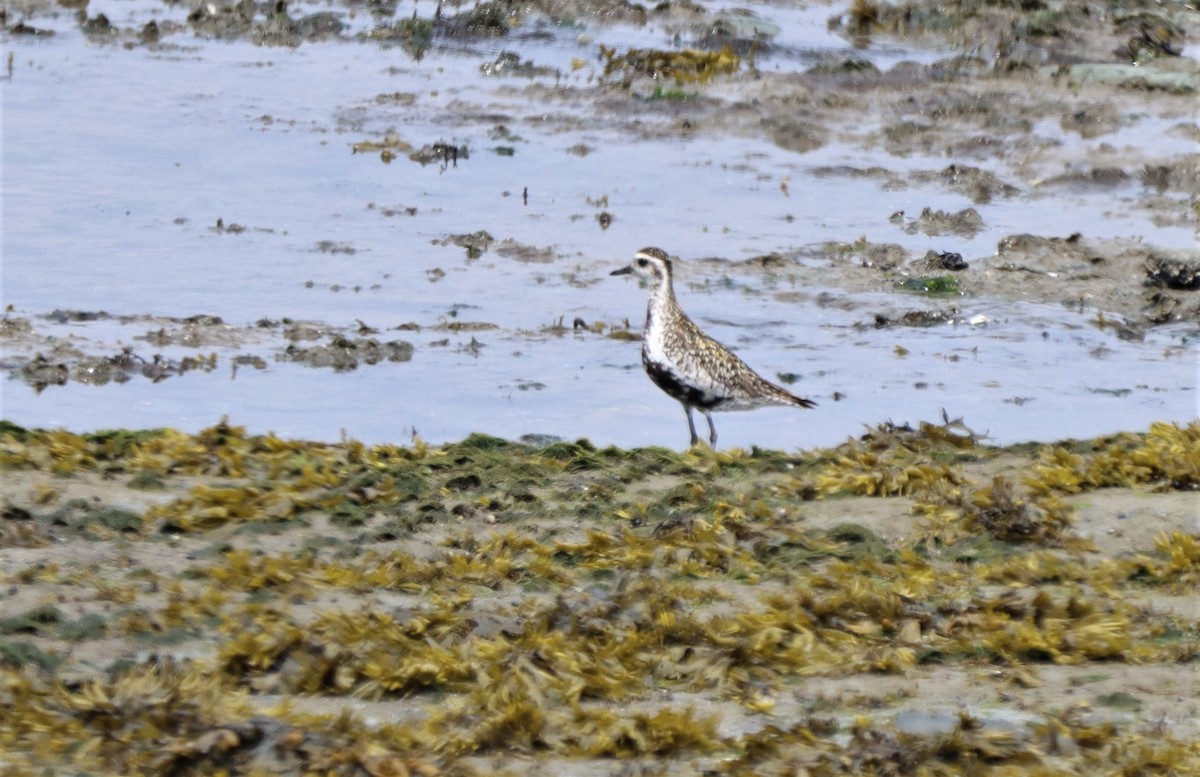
(182, 603)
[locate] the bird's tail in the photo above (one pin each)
(784, 397)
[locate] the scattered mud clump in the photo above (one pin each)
(298, 331)
(979, 185)
(916, 318)
(1147, 284)
(387, 148)
(966, 222)
(1036, 244)
(97, 26)
(1165, 275)
(944, 260)
(335, 247)
(119, 368)
(1172, 273)
(1091, 121)
(1020, 36)
(510, 64)
(793, 135)
(844, 65)
(192, 332)
(15, 326)
(41, 372)
(847, 171)
(1164, 308)
(740, 31)
(1089, 178)
(527, 254)
(41, 359)
(1042, 255)
(475, 243)
(445, 154)
(21, 28)
(264, 24)
(77, 316)
(416, 34)
(880, 256)
(343, 353)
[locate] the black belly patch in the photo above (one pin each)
(669, 382)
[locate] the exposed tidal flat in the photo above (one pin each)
(910, 601)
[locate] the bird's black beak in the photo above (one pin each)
(626, 270)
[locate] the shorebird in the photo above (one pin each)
(689, 365)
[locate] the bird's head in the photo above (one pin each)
(650, 264)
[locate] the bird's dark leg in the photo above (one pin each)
(691, 426)
(712, 430)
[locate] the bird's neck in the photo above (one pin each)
(662, 306)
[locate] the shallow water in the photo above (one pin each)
(117, 211)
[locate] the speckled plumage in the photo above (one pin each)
(689, 365)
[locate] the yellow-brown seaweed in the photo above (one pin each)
(558, 604)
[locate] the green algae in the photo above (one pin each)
(933, 286)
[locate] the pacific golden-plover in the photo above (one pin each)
(688, 364)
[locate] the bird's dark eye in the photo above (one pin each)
(642, 262)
